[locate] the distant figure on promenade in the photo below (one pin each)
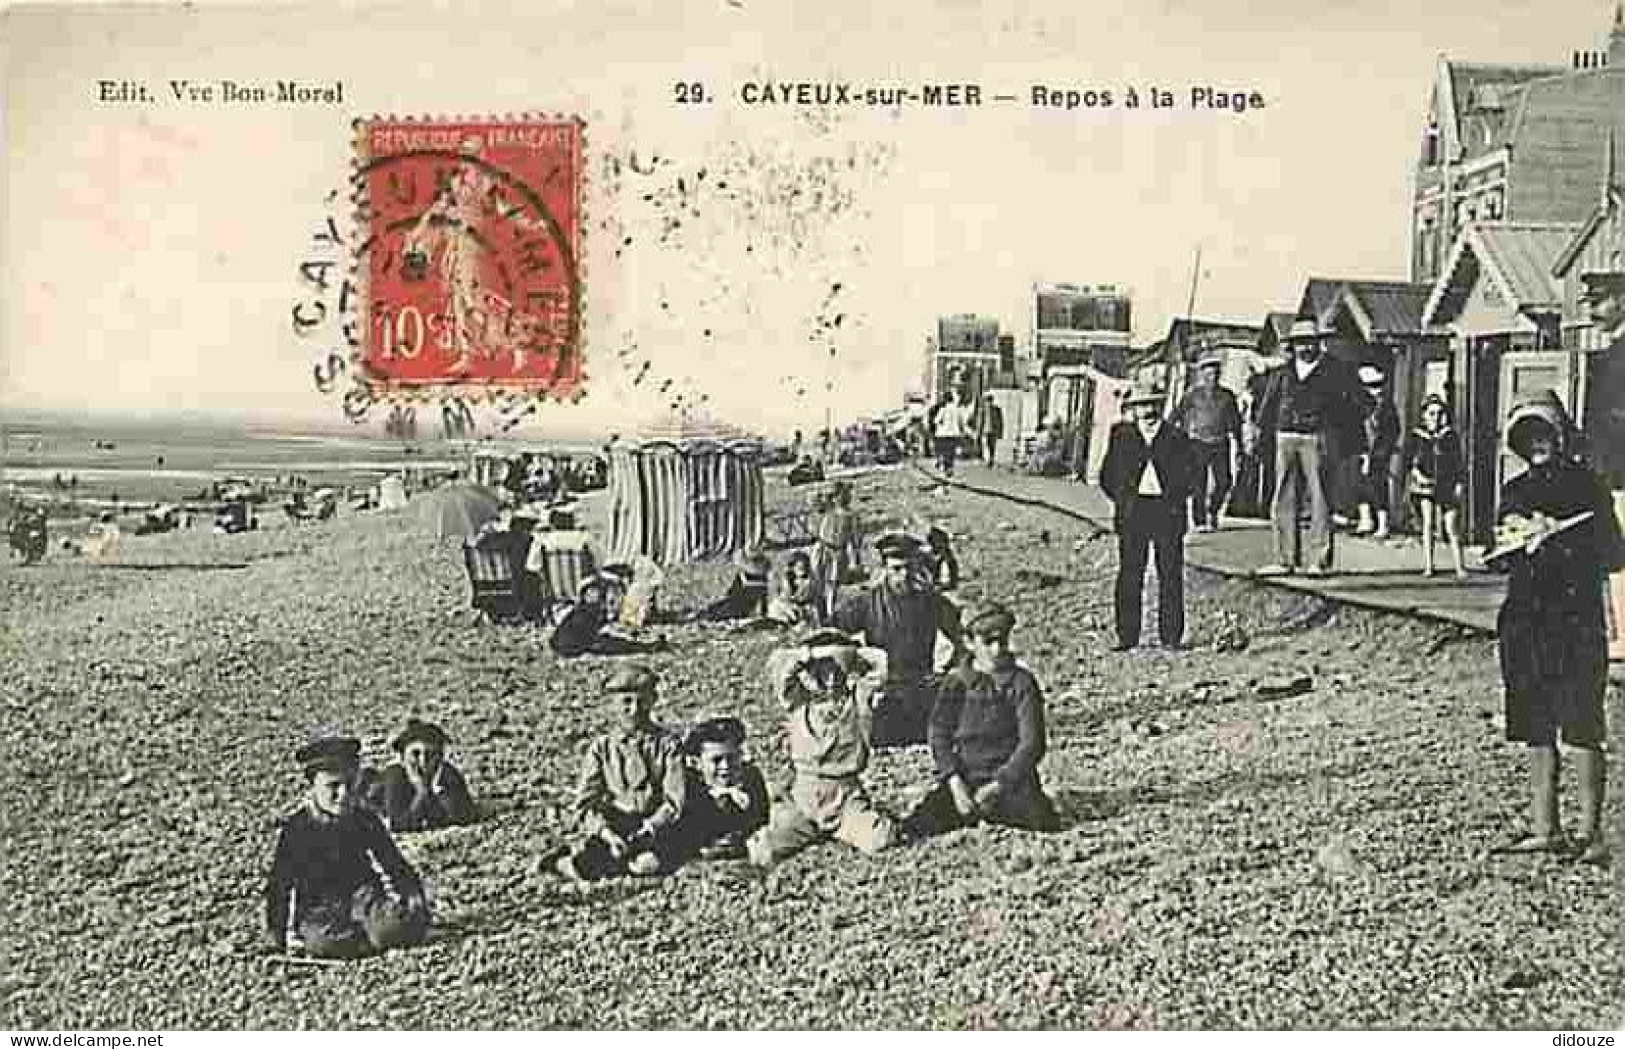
(1147, 475)
(952, 427)
(422, 790)
(902, 613)
(987, 738)
(1305, 402)
(338, 886)
(1380, 424)
(1210, 416)
(1049, 451)
(992, 428)
(1431, 463)
(1553, 627)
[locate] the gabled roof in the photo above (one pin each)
(1274, 331)
(1386, 307)
(1519, 256)
(1188, 336)
(1320, 297)
(1464, 116)
(1613, 200)
(1279, 322)
(1522, 255)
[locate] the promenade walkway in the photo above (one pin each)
(1384, 575)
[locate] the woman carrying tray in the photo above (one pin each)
(1559, 539)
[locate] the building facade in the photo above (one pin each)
(1072, 323)
(1513, 143)
(967, 347)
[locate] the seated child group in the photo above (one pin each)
(649, 800)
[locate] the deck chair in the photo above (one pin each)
(492, 579)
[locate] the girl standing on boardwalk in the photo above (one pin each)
(1432, 463)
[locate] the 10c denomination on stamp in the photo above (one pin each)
(470, 260)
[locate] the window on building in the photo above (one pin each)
(1430, 146)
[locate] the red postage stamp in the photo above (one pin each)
(469, 265)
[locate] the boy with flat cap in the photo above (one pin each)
(902, 613)
(422, 790)
(828, 685)
(727, 797)
(987, 737)
(337, 881)
(631, 791)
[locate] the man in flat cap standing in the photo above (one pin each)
(987, 738)
(1211, 418)
(1147, 475)
(337, 881)
(1305, 403)
(902, 614)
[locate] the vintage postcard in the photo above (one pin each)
(743, 514)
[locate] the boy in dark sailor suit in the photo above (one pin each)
(338, 884)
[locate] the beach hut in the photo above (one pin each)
(392, 492)
(685, 492)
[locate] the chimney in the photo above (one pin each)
(1616, 36)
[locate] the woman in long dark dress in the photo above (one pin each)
(1553, 626)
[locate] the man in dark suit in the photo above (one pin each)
(1147, 474)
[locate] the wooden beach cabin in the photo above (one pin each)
(1501, 303)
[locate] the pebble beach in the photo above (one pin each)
(1285, 830)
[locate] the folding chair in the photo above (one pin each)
(492, 580)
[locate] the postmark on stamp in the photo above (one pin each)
(469, 262)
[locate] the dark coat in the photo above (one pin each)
(1331, 401)
(1127, 455)
(322, 862)
(992, 423)
(708, 820)
(989, 727)
(1436, 461)
(1552, 625)
(1381, 431)
(447, 804)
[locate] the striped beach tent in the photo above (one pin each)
(685, 492)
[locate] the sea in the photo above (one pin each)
(135, 461)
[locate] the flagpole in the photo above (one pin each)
(1190, 312)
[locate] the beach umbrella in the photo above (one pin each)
(459, 509)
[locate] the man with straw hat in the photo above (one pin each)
(1147, 475)
(1306, 401)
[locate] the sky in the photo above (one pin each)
(150, 250)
